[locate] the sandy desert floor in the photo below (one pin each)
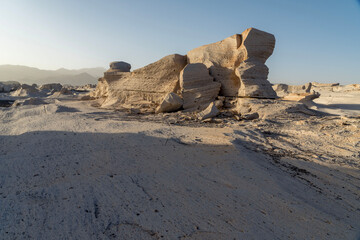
(69, 170)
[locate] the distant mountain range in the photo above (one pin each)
(30, 75)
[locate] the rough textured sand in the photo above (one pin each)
(72, 171)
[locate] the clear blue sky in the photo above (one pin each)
(317, 40)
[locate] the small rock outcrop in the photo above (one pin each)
(172, 102)
(197, 86)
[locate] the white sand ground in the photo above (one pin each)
(72, 171)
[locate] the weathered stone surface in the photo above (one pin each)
(119, 67)
(197, 86)
(171, 103)
(253, 76)
(209, 112)
(150, 83)
(224, 57)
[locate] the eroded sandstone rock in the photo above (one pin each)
(224, 57)
(197, 86)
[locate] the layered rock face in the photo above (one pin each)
(228, 59)
(197, 86)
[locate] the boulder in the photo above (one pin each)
(197, 86)
(171, 103)
(224, 57)
(209, 112)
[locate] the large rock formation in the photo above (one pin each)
(228, 59)
(234, 67)
(197, 86)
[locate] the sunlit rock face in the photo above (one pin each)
(248, 50)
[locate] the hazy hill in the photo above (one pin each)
(30, 75)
